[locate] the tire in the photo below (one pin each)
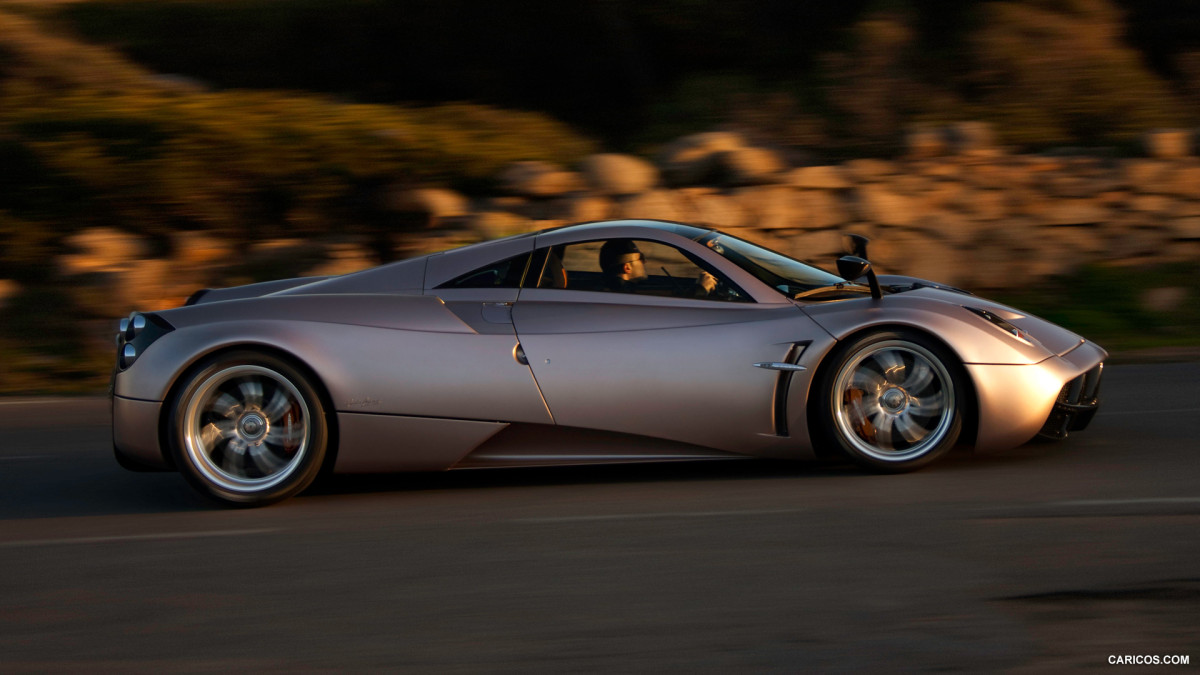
(892, 400)
(248, 429)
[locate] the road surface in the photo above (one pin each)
(1049, 557)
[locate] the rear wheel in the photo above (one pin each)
(892, 400)
(248, 429)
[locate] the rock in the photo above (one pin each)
(436, 204)
(984, 204)
(1167, 300)
(1134, 242)
(1183, 181)
(818, 209)
(820, 247)
(1185, 228)
(950, 227)
(653, 205)
(769, 207)
(538, 179)
(200, 249)
(749, 166)
(582, 208)
(920, 255)
(343, 259)
(8, 290)
(1145, 175)
(715, 210)
(926, 142)
(497, 224)
(1076, 212)
(692, 159)
(817, 178)
(972, 137)
(101, 249)
(1168, 143)
(612, 174)
(868, 170)
(879, 204)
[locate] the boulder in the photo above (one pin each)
(538, 179)
(1185, 228)
(581, 208)
(749, 166)
(769, 207)
(1168, 143)
(1145, 175)
(868, 170)
(497, 224)
(691, 160)
(714, 209)
(879, 204)
(972, 137)
(818, 209)
(101, 249)
(8, 290)
(926, 142)
(613, 174)
(435, 204)
(653, 205)
(818, 178)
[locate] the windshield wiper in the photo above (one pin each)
(846, 287)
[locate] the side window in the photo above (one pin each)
(504, 274)
(638, 266)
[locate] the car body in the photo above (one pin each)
(525, 351)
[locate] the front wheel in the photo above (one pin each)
(248, 429)
(892, 400)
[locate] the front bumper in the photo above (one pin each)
(1076, 405)
(135, 434)
(1018, 402)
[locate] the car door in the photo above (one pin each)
(665, 365)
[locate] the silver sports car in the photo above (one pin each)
(624, 341)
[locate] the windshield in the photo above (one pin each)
(787, 275)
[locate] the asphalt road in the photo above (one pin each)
(1049, 557)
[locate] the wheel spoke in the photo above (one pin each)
(284, 436)
(919, 377)
(225, 406)
(234, 451)
(866, 379)
(252, 392)
(215, 432)
(891, 363)
(928, 406)
(883, 432)
(279, 404)
(910, 429)
(265, 460)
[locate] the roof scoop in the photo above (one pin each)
(855, 265)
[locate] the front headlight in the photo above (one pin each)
(1004, 325)
(135, 334)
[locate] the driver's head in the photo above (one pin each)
(620, 258)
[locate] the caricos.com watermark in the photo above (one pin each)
(1149, 659)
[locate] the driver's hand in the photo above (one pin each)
(707, 281)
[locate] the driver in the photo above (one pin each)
(624, 269)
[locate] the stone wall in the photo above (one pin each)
(956, 209)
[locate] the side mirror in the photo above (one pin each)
(851, 267)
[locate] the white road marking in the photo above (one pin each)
(133, 537)
(40, 401)
(664, 514)
(1109, 413)
(1127, 502)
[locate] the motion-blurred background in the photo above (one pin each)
(1041, 151)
